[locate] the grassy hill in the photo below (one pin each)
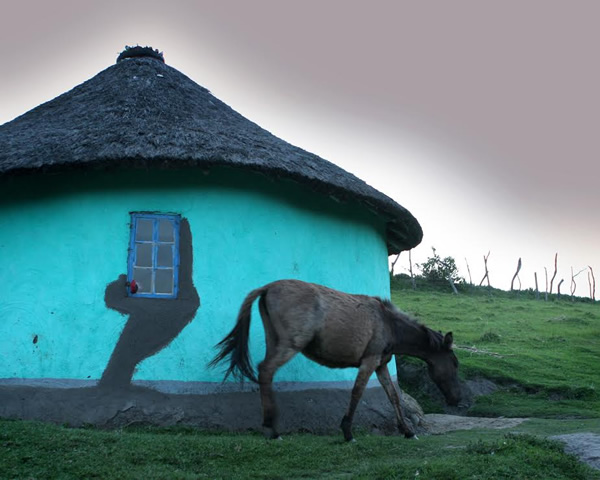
(544, 354)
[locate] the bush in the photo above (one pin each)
(436, 269)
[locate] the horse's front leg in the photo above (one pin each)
(366, 369)
(383, 375)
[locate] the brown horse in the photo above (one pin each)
(337, 330)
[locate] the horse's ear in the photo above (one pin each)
(448, 340)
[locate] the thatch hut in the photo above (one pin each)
(137, 212)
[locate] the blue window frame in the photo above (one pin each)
(153, 263)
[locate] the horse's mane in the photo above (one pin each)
(436, 339)
(433, 340)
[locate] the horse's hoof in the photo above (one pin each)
(271, 434)
(411, 435)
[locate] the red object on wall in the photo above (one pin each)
(133, 286)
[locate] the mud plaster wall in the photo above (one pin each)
(64, 238)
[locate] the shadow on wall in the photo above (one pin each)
(153, 322)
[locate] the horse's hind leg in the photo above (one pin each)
(383, 375)
(275, 358)
(364, 372)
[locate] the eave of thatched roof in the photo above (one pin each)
(143, 113)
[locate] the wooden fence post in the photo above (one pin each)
(555, 269)
(485, 259)
(515, 276)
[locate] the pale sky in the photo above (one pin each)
(479, 117)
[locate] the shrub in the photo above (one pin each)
(435, 269)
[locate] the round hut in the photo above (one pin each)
(138, 210)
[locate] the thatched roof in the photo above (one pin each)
(141, 113)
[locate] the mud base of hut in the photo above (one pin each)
(314, 411)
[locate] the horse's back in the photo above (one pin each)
(294, 308)
(331, 327)
(311, 302)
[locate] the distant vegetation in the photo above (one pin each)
(439, 273)
(543, 354)
(424, 284)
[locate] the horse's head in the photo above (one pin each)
(415, 339)
(443, 370)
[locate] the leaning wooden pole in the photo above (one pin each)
(555, 270)
(487, 275)
(469, 270)
(394, 264)
(512, 283)
(558, 286)
(573, 284)
(449, 279)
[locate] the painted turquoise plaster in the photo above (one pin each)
(63, 238)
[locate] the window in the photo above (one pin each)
(153, 262)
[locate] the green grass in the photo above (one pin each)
(35, 450)
(548, 370)
(549, 351)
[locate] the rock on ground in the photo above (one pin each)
(585, 446)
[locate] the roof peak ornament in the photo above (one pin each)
(138, 51)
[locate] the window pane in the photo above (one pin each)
(143, 254)
(143, 277)
(165, 230)
(152, 254)
(164, 281)
(164, 257)
(143, 230)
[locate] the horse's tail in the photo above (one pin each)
(235, 344)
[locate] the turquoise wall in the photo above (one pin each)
(63, 238)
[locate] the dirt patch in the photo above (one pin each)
(439, 423)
